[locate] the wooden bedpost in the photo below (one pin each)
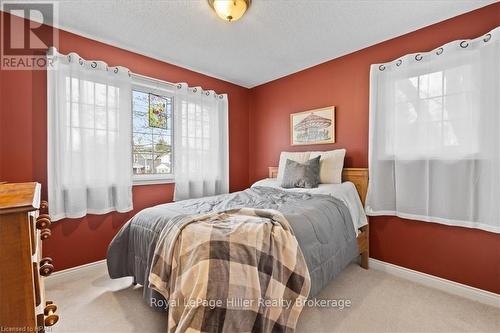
(364, 246)
(359, 177)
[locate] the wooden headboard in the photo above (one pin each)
(357, 176)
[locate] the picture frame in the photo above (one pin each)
(313, 127)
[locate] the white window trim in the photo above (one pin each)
(162, 89)
(153, 179)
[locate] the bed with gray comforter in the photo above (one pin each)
(322, 225)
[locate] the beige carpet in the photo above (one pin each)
(89, 301)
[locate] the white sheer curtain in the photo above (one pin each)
(89, 137)
(434, 135)
(200, 143)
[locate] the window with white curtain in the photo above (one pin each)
(107, 130)
(201, 142)
(89, 135)
(152, 131)
(434, 150)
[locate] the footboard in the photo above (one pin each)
(359, 177)
(363, 246)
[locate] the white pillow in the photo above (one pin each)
(331, 164)
(300, 157)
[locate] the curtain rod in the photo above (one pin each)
(51, 51)
(144, 77)
(479, 41)
(175, 85)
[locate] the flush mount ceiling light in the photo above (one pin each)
(230, 10)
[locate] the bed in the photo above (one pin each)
(323, 225)
(355, 176)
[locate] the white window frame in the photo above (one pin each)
(156, 87)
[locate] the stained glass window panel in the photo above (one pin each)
(152, 137)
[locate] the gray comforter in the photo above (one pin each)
(322, 225)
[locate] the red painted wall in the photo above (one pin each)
(464, 255)
(23, 119)
(258, 126)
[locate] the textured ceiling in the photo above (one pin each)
(275, 37)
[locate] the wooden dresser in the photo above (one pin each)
(24, 225)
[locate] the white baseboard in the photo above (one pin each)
(451, 287)
(75, 270)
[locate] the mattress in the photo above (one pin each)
(346, 192)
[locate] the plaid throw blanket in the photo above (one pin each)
(235, 271)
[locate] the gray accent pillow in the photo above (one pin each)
(304, 175)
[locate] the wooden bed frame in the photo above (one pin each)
(359, 177)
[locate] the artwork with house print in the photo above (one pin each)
(313, 127)
(157, 111)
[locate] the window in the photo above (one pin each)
(152, 135)
(434, 138)
(435, 115)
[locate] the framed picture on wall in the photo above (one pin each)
(313, 127)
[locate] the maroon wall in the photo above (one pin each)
(23, 127)
(258, 128)
(464, 255)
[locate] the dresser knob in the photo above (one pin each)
(43, 221)
(45, 234)
(46, 267)
(46, 260)
(44, 204)
(50, 317)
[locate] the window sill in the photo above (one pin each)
(156, 181)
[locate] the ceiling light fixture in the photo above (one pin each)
(230, 10)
